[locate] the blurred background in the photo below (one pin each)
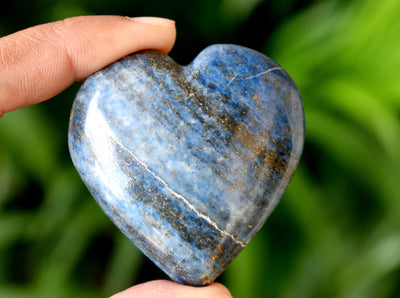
(336, 232)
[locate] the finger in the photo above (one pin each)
(39, 62)
(168, 289)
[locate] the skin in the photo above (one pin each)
(39, 62)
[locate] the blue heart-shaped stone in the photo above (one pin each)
(190, 161)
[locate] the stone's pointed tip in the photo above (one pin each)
(188, 162)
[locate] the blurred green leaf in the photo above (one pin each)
(238, 9)
(123, 266)
(247, 273)
(32, 140)
(63, 9)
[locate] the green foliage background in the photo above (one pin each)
(336, 232)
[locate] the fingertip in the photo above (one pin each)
(221, 290)
(169, 289)
(167, 26)
(119, 36)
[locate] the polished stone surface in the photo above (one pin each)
(188, 161)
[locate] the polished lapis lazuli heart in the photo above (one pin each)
(189, 161)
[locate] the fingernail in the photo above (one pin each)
(154, 21)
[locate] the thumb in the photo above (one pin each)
(39, 62)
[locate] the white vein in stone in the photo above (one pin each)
(255, 76)
(264, 72)
(234, 77)
(177, 195)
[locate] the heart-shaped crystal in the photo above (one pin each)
(189, 161)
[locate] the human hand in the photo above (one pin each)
(39, 62)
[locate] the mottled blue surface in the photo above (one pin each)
(188, 161)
